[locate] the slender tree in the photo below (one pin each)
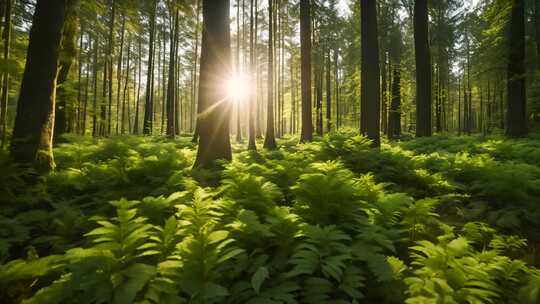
(253, 92)
(305, 41)
(5, 77)
(270, 138)
(215, 69)
(149, 98)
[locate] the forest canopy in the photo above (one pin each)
(270, 151)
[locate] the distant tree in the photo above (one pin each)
(270, 139)
(31, 143)
(215, 69)
(516, 125)
(253, 92)
(149, 102)
(423, 69)
(305, 41)
(394, 115)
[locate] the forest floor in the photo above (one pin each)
(437, 220)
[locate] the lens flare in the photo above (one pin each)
(237, 88)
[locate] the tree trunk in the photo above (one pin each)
(119, 72)
(149, 103)
(305, 41)
(423, 69)
(214, 140)
(139, 81)
(95, 86)
(109, 65)
(67, 56)
(33, 132)
(270, 139)
(328, 92)
(125, 97)
(370, 65)
(516, 125)
(5, 78)
(171, 84)
(252, 99)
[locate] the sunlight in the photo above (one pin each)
(237, 88)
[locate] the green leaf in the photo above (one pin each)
(258, 278)
(137, 276)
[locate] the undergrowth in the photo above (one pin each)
(126, 220)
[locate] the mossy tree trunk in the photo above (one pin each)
(33, 132)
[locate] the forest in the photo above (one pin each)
(270, 151)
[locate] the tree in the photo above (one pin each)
(5, 77)
(31, 142)
(270, 138)
(394, 115)
(370, 68)
(253, 93)
(149, 99)
(423, 69)
(305, 41)
(67, 57)
(215, 69)
(516, 125)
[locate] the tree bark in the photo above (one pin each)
(68, 52)
(215, 69)
(370, 65)
(305, 41)
(33, 132)
(423, 69)
(252, 99)
(5, 76)
(516, 125)
(270, 139)
(149, 100)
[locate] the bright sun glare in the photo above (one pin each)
(237, 88)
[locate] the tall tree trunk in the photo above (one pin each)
(192, 126)
(5, 77)
(119, 72)
(95, 86)
(68, 52)
(370, 64)
(149, 103)
(125, 97)
(270, 139)
(328, 92)
(394, 117)
(459, 106)
(214, 140)
(238, 70)
(252, 99)
(305, 41)
(109, 65)
(31, 143)
(171, 84)
(79, 80)
(336, 89)
(516, 125)
(86, 87)
(138, 97)
(423, 69)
